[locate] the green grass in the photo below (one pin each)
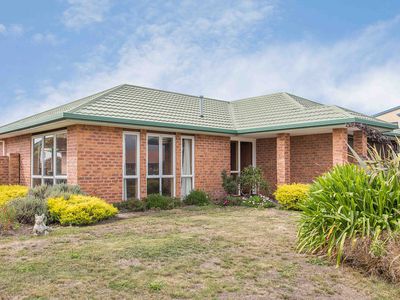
(186, 253)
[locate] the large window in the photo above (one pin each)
(187, 177)
(242, 156)
(161, 164)
(131, 165)
(49, 159)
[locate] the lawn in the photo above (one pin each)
(224, 253)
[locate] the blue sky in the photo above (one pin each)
(337, 52)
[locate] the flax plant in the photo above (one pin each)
(350, 202)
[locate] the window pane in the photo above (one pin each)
(186, 186)
(167, 186)
(234, 156)
(36, 181)
(187, 157)
(61, 181)
(61, 154)
(48, 155)
(246, 154)
(130, 154)
(37, 156)
(153, 186)
(167, 158)
(48, 181)
(131, 189)
(153, 156)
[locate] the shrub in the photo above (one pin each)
(55, 191)
(252, 181)
(258, 201)
(230, 201)
(350, 202)
(26, 209)
(229, 183)
(290, 196)
(157, 201)
(196, 197)
(130, 205)
(80, 210)
(7, 218)
(10, 192)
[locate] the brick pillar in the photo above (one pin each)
(4, 173)
(283, 158)
(13, 169)
(143, 167)
(72, 154)
(339, 146)
(178, 163)
(360, 143)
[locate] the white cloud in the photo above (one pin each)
(47, 38)
(209, 54)
(84, 12)
(11, 30)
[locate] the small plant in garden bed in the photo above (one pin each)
(259, 201)
(157, 201)
(291, 196)
(197, 197)
(229, 201)
(130, 205)
(26, 208)
(252, 182)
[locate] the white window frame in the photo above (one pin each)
(160, 176)
(137, 176)
(186, 137)
(55, 177)
(253, 149)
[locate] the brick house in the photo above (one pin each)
(129, 141)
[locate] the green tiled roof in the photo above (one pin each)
(128, 104)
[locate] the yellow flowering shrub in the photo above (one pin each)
(79, 210)
(291, 195)
(10, 192)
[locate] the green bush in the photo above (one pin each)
(290, 196)
(157, 201)
(258, 201)
(230, 201)
(8, 220)
(229, 183)
(80, 210)
(196, 197)
(54, 191)
(351, 202)
(131, 205)
(252, 181)
(26, 208)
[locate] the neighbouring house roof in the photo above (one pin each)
(387, 111)
(134, 105)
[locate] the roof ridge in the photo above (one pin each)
(248, 98)
(171, 92)
(232, 113)
(289, 96)
(99, 96)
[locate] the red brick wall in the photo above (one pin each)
(266, 159)
(143, 167)
(339, 146)
(4, 160)
(22, 145)
(97, 160)
(212, 156)
(310, 156)
(283, 158)
(13, 168)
